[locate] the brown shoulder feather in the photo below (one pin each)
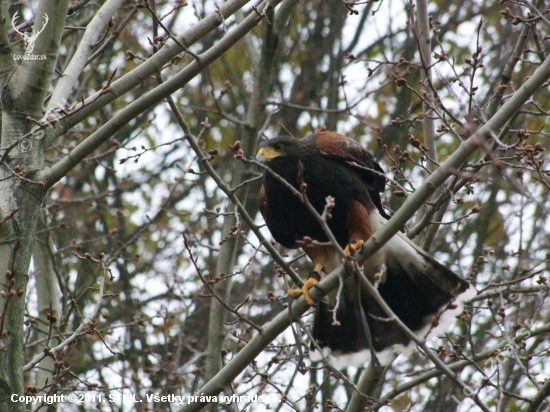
(342, 148)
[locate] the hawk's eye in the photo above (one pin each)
(278, 146)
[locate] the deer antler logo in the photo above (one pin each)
(29, 39)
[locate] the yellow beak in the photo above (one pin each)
(266, 153)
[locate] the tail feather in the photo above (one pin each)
(423, 293)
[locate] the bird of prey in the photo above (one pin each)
(423, 293)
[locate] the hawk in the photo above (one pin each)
(423, 293)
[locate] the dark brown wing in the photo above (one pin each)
(341, 148)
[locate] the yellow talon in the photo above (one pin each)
(310, 282)
(351, 248)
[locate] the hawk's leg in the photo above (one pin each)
(319, 255)
(359, 227)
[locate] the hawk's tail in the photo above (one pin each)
(423, 293)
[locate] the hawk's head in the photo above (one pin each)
(277, 147)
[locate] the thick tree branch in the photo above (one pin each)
(153, 65)
(424, 47)
(48, 298)
(369, 382)
(94, 29)
(64, 165)
(31, 81)
(540, 397)
(451, 166)
(6, 64)
(423, 37)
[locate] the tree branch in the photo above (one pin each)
(540, 397)
(64, 165)
(148, 68)
(454, 162)
(93, 30)
(456, 366)
(31, 81)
